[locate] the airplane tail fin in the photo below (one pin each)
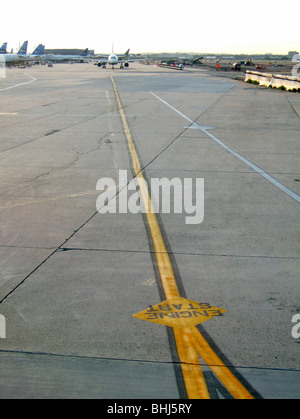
(39, 50)
(23, 49)
(197, 60)
(3, 48)
(127, 52)
(85, 52)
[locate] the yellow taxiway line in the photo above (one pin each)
(191, 345)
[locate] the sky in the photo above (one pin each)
(213, 26)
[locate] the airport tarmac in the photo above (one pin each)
(72, 278)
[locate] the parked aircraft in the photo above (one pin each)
(114, 59)
(58, 57)
(22, 57)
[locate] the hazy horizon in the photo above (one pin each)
(154, 26)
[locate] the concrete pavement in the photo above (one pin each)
(72, 279)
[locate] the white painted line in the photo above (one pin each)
(253, 166)
(20, 84)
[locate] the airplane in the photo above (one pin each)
(3, 48)
(114, 59)
(18, 57)
(58, 57)
(22, 57)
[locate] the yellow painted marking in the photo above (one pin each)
(190, 343)
(194, 379)
(8, 113)
(162, 257)
(179, 312)
(229, 380)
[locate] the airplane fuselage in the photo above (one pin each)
(58, 57)
(19, 58)
(8, 58)
(113, 59)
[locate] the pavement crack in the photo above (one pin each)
(292, 106)
(52, 253)
(39, 176)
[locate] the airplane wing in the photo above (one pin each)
(101, 60)
(104, 58)
(125, 56)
